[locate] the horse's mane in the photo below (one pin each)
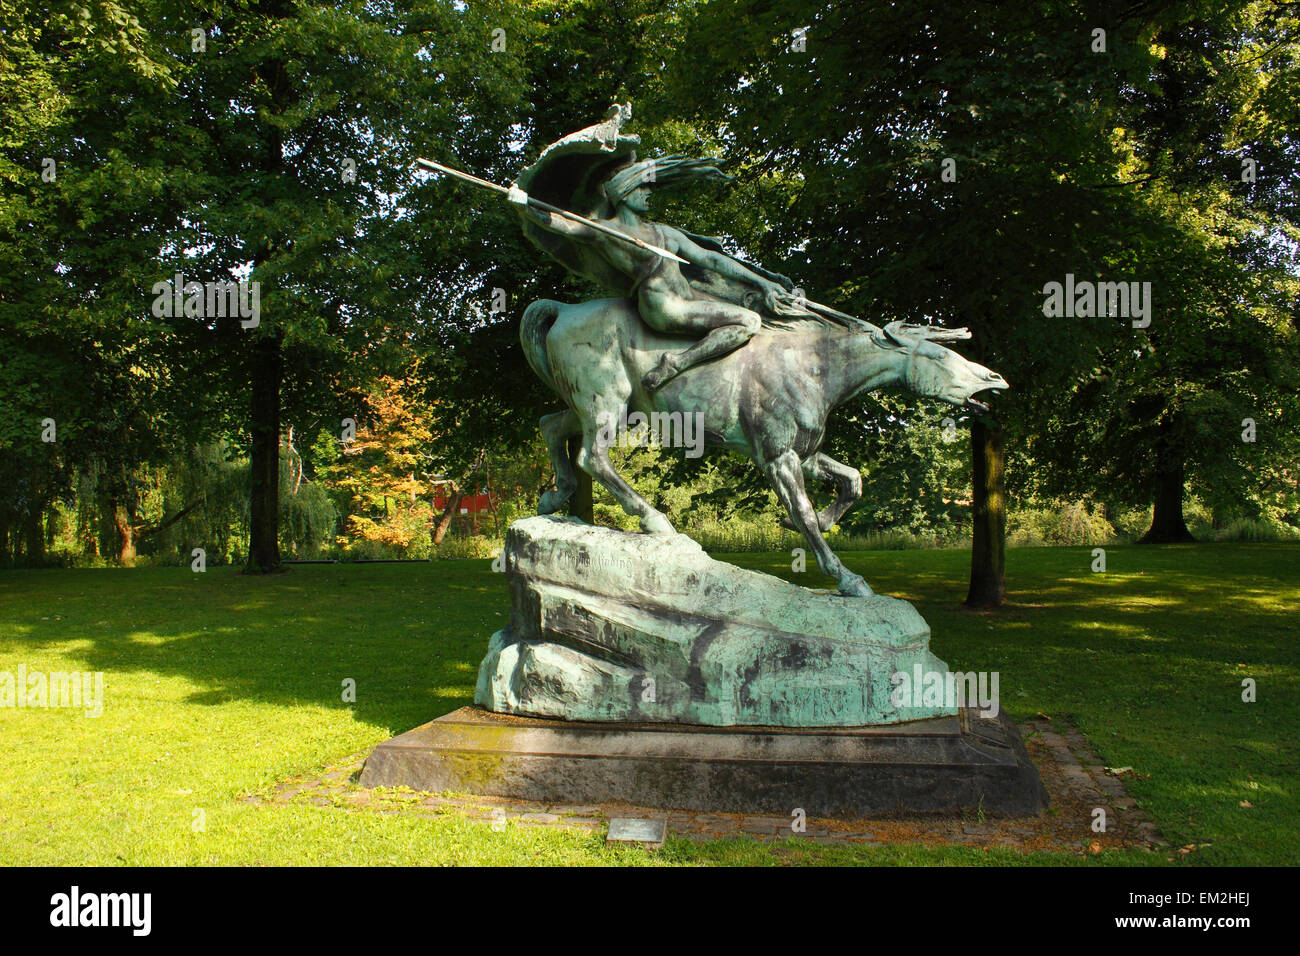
(799, 323)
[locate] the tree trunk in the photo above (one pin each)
(264, 430)
(34, 531)
(1167, 524)
(988, 582)
(88, 535)
(583, 503)
(125, 533)
(444, 523)
(492, 506)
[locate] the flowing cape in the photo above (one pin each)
(570, 174)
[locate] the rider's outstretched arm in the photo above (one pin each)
(547, 220)
(723, 265)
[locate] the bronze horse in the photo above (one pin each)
(768, 400)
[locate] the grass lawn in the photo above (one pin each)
(219, 685)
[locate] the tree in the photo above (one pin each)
(1205, 397)
(969, 160)
(84, 212)
(385, 478)
(299, 123)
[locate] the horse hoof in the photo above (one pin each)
(854, 586)
(551, 502)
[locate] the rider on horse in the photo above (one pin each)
(668, 294)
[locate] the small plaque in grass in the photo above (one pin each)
(632, 830)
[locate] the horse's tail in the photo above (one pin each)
(537, 321)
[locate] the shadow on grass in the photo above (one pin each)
(1147, 658)
(410, 636)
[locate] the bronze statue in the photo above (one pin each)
(584, 202)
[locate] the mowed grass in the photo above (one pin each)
(219, 685)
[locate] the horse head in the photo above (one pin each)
(934, 371)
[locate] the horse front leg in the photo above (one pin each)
(848, 488)
(786, 477)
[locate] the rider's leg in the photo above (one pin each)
(726, 327)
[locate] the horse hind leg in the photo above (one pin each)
(786, 477)
(556, 429)
(593, 458)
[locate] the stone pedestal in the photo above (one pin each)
(608, 625)
(942, 765)
(637, 669)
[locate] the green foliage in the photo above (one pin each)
(914, 460)
(1069, 523)
(468, 547)
(230, 162)
(308, 518)
(1132, 171)
(1257, 530)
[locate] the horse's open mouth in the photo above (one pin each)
(977, 407)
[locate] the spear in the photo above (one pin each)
(555, 210)
(610, 231)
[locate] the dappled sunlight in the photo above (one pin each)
(150, 638)
(463, 694)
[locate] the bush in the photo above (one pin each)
(1199, 519)
(1256, 529)
(764, 534)
(1072, 523)
(754, 534)
(895, 539)
(468, 546)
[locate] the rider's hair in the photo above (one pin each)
(660, 171)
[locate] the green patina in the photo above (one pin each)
(613, 626)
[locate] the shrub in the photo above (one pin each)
(1256, 529)
(468, 546)
(1071, 523)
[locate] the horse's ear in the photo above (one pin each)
(893, 334)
